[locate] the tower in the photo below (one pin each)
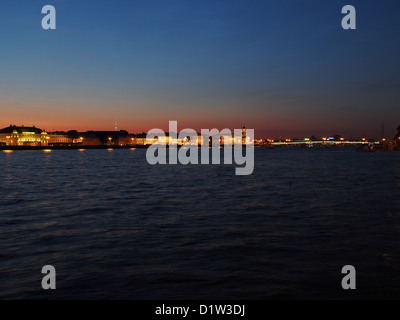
(116, 125)
(244, 135)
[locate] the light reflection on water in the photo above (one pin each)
(116, 227)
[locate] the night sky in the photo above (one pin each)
(285, 68)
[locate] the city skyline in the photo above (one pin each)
(199, 157)
(283, 69)
(334, 136)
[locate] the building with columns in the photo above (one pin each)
(23, 136)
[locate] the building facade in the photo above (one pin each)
(23, 136)
(59, 139)
(397, 138)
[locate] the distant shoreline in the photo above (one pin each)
(102, 147)
(15, 148)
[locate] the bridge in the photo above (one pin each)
(322, 142)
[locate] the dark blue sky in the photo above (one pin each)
(284, 68)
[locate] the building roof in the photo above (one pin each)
(21, 129)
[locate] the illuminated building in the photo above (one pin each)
(397, 138)
(23, 136)
(91, 141)
(167, 139)
(59, 139)
(66, 139)
(140, 141)
(236, 139)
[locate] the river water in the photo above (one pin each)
(115, 227)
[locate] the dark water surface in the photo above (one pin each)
(115, 227)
